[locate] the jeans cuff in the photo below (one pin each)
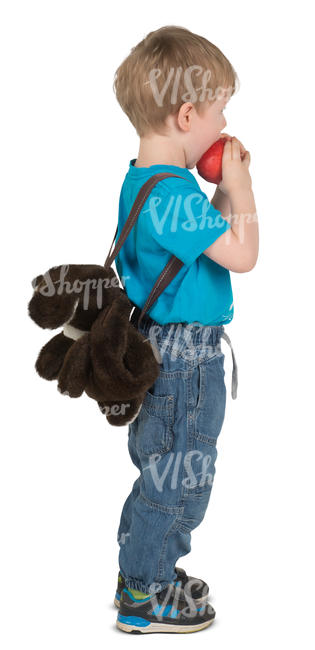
(139, 585)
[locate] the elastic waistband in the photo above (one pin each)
(194, 333)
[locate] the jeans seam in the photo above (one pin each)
(170, 510)
(173, 527)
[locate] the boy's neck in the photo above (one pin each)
(160, 150)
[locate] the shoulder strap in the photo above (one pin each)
(174, 264)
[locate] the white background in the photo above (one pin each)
(65, 473)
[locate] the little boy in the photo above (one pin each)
(174, 87)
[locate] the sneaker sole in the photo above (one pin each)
(146, 627)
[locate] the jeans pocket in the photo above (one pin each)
(211, 400)
(155, 425)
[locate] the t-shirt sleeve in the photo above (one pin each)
(185, 223)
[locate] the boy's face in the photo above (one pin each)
(205, 129)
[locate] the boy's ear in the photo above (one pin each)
(184, 116)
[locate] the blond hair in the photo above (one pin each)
(152, 81)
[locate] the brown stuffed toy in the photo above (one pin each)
(100, 351)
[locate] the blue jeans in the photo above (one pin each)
(173, 443)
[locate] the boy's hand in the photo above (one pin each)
(242, 150)
(229, 137)
(235, 163)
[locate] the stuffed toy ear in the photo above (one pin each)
(52, 305)
(72, 292)
(51, 356)
(76, 368)
(123, 363)
(109, 335)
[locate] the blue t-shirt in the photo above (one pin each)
(176, 219)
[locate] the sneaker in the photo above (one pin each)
(194, 587)
(164, 611)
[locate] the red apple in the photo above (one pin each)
(210, 164)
